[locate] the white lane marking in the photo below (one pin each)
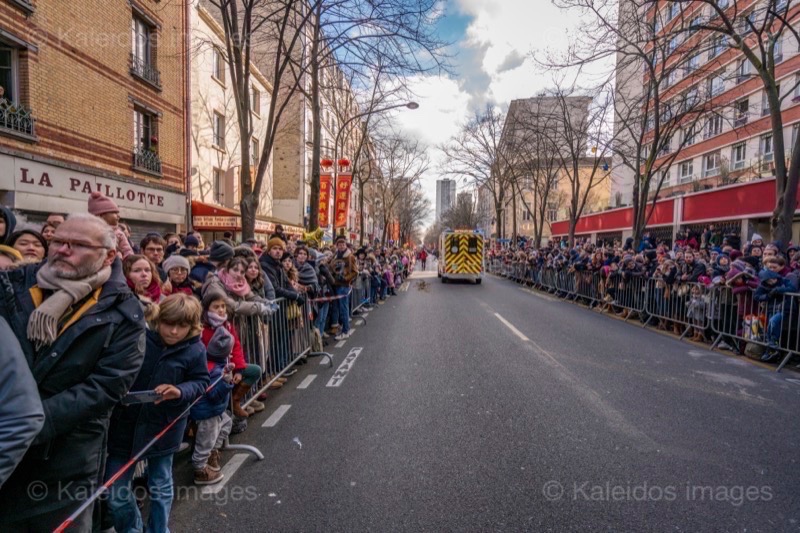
(365, 315)
(344, 368)
(228, 470)
(306, 382)
(324, 361)
(340, 344)
(275, 417)
(510, 326)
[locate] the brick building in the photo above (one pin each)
(95, 98)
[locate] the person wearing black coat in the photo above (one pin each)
(81, 376)
(175, 367)
(692, 268)
(21, 413)
(7, 223)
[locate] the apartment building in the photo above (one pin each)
(94, 98)
(729, 144)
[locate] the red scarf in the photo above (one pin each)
(153, 292)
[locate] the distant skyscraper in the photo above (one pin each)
(445, 196)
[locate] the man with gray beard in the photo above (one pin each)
(82, 333)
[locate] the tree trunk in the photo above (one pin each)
(313, 216)
(361, 229)
(513, 218)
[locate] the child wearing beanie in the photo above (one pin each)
(177, 269)
(213, 422)
(105, 208)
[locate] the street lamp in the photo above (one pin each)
(343, 127)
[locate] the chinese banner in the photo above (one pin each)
(324, 200)
(342, 204)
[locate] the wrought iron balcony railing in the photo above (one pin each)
(16, 118)
(146, 160)
(145, 70)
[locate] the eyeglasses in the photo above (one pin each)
(74, 245)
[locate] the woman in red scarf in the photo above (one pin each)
(142, 277)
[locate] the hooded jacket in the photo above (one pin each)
(277, 276)
(344, 268)
(80, 377)
(11, 223)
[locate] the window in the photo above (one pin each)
(552, 213)
(218, 66)
(765, 107)
(796, 97)
(685, 171)
(218, 185)
(219, 130)
(713, 125)
(672, 78)
(743, 71)
(692, 98)
(765, 145)
(716, 84)
(739, 156)
(9, 73)
(689, 136)
(673, 43)
(143, 131)
(145, 142)
(142, 52)
(716, 47)
(746, 23)
(672, 10)
(693, 63)
(665, 176)
(742, 110)
(255, 104)
(254, 151)
(695, 23)
(723, 3)
(711, 164)
(778, 50)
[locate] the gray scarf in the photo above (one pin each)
(43, 322)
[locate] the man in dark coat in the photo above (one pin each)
(82, 333)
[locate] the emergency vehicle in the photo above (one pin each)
(461, 255)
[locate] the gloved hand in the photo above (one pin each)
(265, 310)
(301, 299)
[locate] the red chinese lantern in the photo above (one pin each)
(326, 163)
(344, 162)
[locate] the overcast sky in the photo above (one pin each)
(494, 42)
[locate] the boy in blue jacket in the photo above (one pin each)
(175, 368)
(213, 422)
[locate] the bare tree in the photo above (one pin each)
(654, 115)
(473, 154)
(464, 214)
(401, 163)
(411, 213)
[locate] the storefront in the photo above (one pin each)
(36, 189)
(213, 221)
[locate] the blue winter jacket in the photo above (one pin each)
(216, 400)
(133, 426)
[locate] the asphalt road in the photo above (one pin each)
(478, 408)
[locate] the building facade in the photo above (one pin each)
(732, 142)
(95, 99)
(215, 136)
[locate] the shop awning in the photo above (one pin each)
(209, 217)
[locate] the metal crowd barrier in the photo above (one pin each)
(684, 304)
(773, 324)
(282, 342)
(360, 296)
(733, 316)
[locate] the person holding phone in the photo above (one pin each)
(174, 368)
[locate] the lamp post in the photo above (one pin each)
(408, 105)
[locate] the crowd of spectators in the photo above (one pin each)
(756, 282)
(107, 343)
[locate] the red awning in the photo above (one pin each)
(209, 217)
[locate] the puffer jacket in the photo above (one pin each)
(216, 400)
(133, 426)
(81, 377)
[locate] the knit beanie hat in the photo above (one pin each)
(285, 256)
(12, 239)
(276, 241)
(175, 261)
(220, 252)
(100, 204)
(220, 345)
(756, 237)
(191, 240)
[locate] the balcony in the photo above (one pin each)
(740, 121)
(17, 121)
(144, 69)
(146, 160)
